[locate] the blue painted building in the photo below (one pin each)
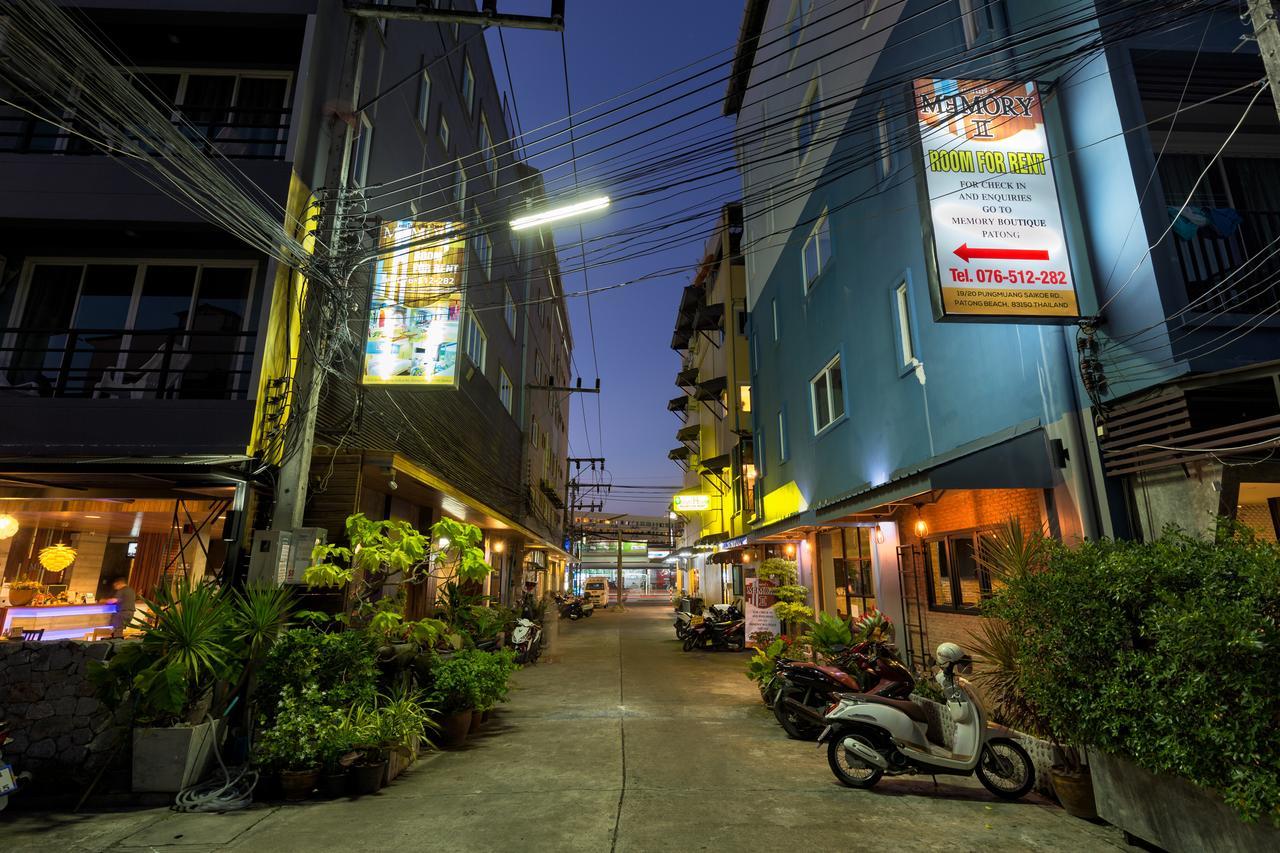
(888, 443)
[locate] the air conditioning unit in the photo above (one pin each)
(305, 539)
(271, 558)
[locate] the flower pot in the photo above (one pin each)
(454, 728)
(298, 784)
(484, 718)
(477, 718)
(334, 784)
(398, 761)
(1075, 792)
(366, 777)
(169, 759)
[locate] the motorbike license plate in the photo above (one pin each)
(822, 738)
(7, 784)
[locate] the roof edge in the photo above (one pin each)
(744, 56)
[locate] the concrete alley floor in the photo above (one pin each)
(620, 742)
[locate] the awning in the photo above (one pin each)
(681, 553)
(709, 318)
(678, 404)
(691, 299)
(687, 378)
(733, 555)
(680, 339)
(689, 433)
(712, 388)
(679, 454)
(716, 463)
(712, 539)
(1014, 458)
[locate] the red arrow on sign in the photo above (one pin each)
(1002, 254)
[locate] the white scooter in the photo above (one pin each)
(870, 736)
(526, 639)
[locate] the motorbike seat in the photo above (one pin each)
(906, 706)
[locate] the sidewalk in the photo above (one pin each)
(627, 735)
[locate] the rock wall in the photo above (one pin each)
(60, 732)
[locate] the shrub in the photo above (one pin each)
(341, 666)
(1165, 652)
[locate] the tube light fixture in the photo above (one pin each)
(533, 220)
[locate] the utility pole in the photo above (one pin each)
(1263, 13)
(620, 604)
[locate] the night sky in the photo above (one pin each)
(614, 47)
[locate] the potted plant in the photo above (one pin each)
(456, 691)
(369, 728)
(791, 609)
(296, 743)
(405, 719)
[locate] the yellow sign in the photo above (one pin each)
(692, 503)
(416, 306)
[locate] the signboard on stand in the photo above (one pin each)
(758, 600)
(416, 305)
(999, 249)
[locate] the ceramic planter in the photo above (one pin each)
(167, 760)
(366, 777)
(1172, 813)
(334, 785)
(298, 784)
(454, 728)
(1075, 792)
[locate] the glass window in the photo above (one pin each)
(939, 573)
(774, 305)
(477, 343)
(809, 120)
(486, 149)
(796, 20)
(509, 310)
(504, 389)
(972, 19)
(958, 579)
(360, 151)
(468, 86)
(782, 436)
(827, 392)
(744, 398)
(443, 133)
(903, 306)
(424, 100)
(817, 251)
(484, 251)
(886, 146)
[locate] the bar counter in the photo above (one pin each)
(59, 621)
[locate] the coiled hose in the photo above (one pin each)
(234, 791)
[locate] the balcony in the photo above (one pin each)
(1216, 270)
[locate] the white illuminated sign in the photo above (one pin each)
(692, 503)
(997, 230)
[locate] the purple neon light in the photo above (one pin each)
(71, 633)
(60, 610)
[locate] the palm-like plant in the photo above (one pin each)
(259, 615)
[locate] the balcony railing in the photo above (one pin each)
(1212, 265)
(125, 364)
(251, 134)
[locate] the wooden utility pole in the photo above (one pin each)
(1263, 14)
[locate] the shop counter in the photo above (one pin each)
(59, 621)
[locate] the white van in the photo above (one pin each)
(596, 590)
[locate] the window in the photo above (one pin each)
(424, 100)
(742, 322)
(827, 392)
(783, 449)
(846, 554)
(509, 310)
(486, 148)
(443, 133)
(957, 574)
(817, 251)
(359, 168)
(973, 18)
(504, 389)
(744, 398)
(885, 141)
(795, 20)
(460, 189)
(773, 303)
(755, 352)
(484, 250)
(809, 120)
(468, 86)
(477, 343)
(903, 305)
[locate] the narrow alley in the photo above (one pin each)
(620, 742)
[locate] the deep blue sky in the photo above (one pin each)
(613, 47)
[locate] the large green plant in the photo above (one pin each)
(791, 607)
(828, 634)
(304, 733)
(760, 668)
(1165, 652)
(342, 666)
(470, 679)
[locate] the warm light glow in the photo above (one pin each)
(55, 558)
(921, 528)
(791, 550)
(8, 526)
(499, 547)
(746, 556)
(879, 536)
(444, 542)
(672, 515)
(533, 220)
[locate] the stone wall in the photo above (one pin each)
(60, 732)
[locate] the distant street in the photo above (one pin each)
(621, 743)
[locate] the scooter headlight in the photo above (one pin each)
(831, 709)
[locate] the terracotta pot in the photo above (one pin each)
(1075, 792)
(454, 728)
(334, 785)
(366, 777)
(484, 718)
(477, 717)
(298, 784)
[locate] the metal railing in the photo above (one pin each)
(252, 134)
(129, 364)
(1209, 264)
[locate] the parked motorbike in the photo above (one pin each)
(869, 736)
(10, 781)
(526, 639)
(720, 630)
(688, 612)
(573, 608)
(802, 690)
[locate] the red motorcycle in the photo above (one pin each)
(805, 689)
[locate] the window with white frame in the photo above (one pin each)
(443, 133)
(468, 86)
(504, 389)
(424, 99)
(809, 119)
(826, 392)
(477, 343)
(817, 251)
(773, 303)
(486, 148)
(884, 139)
(509, 310)
(973, 18)
(360, 150)
(902, 304)
(460, 189)
(783, 449)
(795, 20)
(484, 250)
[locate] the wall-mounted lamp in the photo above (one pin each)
(746, 556)
(790, 549)
(879, 535)
(921, 528)
(499, 547)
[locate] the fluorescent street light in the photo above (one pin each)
(533, 220)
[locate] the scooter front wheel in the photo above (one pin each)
(689, 641)
(847, 766)
(1005, 769)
